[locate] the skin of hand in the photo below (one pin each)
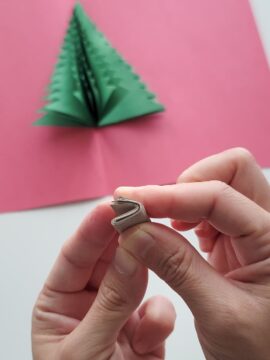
(226, 199)
(89, 306)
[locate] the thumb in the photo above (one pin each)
(120, 293)
(174, 260)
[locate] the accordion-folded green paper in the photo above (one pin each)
(92, 85)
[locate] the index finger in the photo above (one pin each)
(79, 255)
(229, 211)
(238, 168)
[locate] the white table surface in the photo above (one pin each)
(31, 240)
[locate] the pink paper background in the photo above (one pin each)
(204, 59)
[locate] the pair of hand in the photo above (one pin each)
(89, 307)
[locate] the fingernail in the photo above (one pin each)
(122, 190)
(138, 242)
(124, 263)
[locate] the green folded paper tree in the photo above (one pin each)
(92, 85)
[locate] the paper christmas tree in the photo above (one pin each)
(92, 85)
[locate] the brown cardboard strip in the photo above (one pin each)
(129, 213)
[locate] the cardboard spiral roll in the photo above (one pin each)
(129, 213)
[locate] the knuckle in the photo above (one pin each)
(112, 300)
(219, 187)
(189, 175)
(219, 190)
(182, 177)
(37, 315)
(242, 155)
(175, 267)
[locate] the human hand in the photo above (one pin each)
(87, 308)
(227, 200)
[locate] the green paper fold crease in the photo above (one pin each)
(92, 85)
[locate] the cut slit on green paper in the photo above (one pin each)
(92, 85)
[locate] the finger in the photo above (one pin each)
(71, 305)
(258, 273)
(120, 293)
(79, 255)
(223, 257)
(102, 265)
(236, 167)
(175, 261)
(157, 320)
(182, 225)
(207, 236)
(224, 208)
(206, 233)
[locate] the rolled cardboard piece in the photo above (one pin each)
(129, 213)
